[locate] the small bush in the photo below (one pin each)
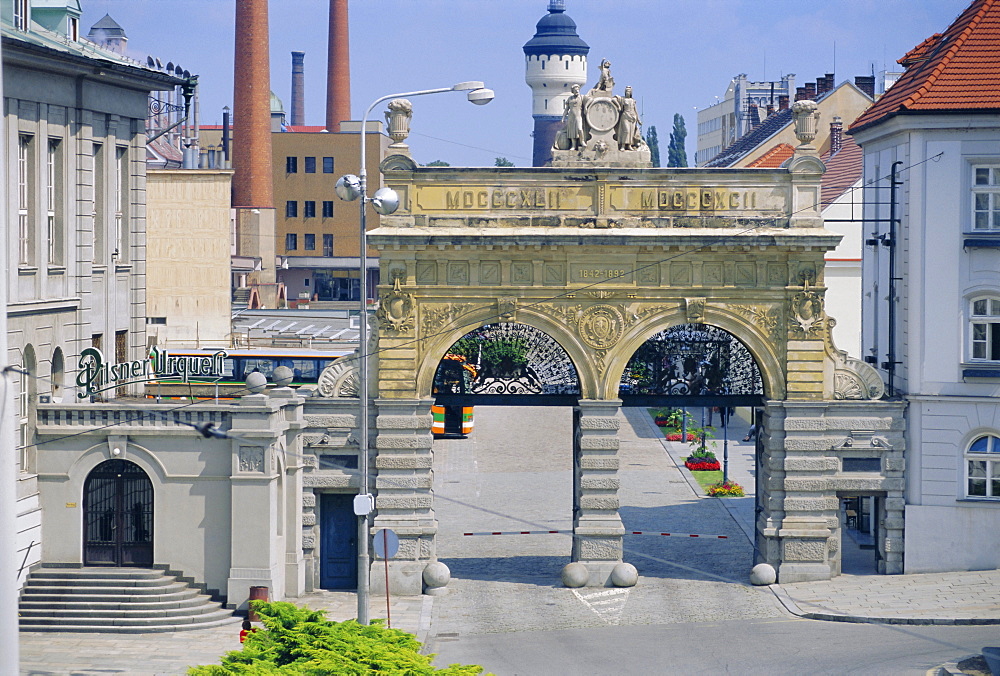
(303, 642)
(676, 436)
(696, 465)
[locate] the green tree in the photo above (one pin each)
(303, 642)
(654, 145)
(676, 153)
(503, 162)
(437, 163)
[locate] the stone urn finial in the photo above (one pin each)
(806, 116)
(398, 119)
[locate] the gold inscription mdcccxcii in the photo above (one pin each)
(503, 198)
(697, 199)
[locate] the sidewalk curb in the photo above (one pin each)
(791, 606)
(685, 472)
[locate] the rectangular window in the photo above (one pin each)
(120, 252)
(73, 28)
(328, 245)
(54, 199)
(22, 14)
(291, 165)
(291, 209)
(327, 165)
(291, 241)
(310, 209)
(985, 329)
(100, 204)
(310, 242)
(25, 248)
(982, 462)
(985, 198)
(327, 208)
(310, 165)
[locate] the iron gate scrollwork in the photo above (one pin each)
(506, 358)
(118, 515)
(692, 360)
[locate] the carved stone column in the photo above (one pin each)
(404, 497)
(597, 526)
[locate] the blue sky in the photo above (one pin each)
(678, 55)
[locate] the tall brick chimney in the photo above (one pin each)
(252, 182)
(253, 187)
(338, 68)
(298, 89)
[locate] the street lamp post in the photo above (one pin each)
(385, 201)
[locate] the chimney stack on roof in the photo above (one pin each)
(770, 110)
(810, 90)
(298, 89)
(800, 93)
(836, 135)
(252, 182)
(338, 68)
(866, 83)
(783, 101)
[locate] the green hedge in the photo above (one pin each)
(302, 641)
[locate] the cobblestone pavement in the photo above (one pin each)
(86, 654)
(514, 473)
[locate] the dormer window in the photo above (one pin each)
(22, 14)
(73, 28)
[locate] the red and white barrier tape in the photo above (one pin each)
(569, 532)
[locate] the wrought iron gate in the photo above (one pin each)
(118, 516)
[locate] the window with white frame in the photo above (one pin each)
(53, 200)
(984, 326)
(985, 198)
(982, 467)
(24, 230)
(22, 14)
(121, 204)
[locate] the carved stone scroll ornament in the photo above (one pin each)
(251, 458)
(340, 379)
(395, 310)
(435, 317)
(854, 379)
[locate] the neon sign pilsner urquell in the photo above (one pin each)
(96, 375)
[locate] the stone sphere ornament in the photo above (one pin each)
(763, 574)
(256, 382)
(575, 574)
(436, 577)
(282, 376)
(624, 575)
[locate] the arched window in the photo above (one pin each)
(982, 468)
(984, 329)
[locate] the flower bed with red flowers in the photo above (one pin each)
(727, 489)
(702, 465)
(677, 436)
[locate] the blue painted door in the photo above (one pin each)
(338, 567)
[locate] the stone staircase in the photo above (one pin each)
(115, 600)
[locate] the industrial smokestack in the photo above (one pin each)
(298, 89)
(338, 68)
(252, 182)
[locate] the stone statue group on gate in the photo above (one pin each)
(600, 127)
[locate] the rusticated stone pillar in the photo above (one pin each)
(597, 526)
(404, 497)
(815, 453)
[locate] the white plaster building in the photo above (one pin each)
(75, 164)
(937, 131)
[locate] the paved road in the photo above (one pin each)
(692, 611)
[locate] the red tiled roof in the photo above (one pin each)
(842, 171)
(306, 128)
(957, 70)
(773, 158)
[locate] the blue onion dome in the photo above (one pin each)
(555, 34)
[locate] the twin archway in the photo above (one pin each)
(685, 360)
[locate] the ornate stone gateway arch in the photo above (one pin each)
(601, 260)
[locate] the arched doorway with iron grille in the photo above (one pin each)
(118, 515)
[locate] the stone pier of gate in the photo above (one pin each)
(600, 259)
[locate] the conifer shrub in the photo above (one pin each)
(302, 642)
